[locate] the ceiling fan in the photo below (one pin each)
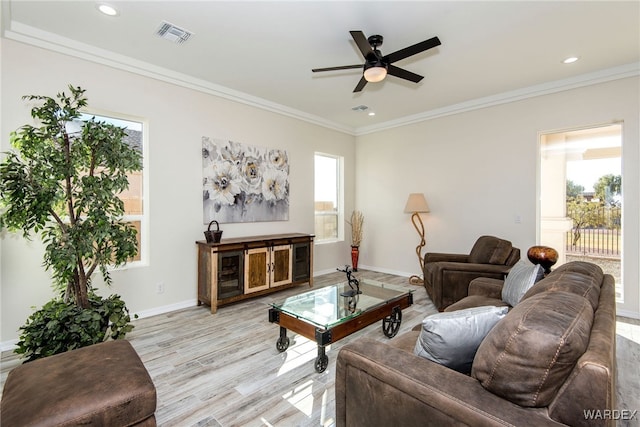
(376, 66)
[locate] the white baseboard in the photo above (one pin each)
(629, 314)
(8, 345)
(323, 272)
(165, 309)
(386, 270)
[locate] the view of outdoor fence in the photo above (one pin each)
(595, 232)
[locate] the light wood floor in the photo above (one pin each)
(224, 369)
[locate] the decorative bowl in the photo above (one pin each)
(543, 255)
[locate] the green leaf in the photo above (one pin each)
(59, 326)
(64, 187)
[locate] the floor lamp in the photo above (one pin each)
(417, 204)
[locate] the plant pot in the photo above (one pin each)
(213, 236)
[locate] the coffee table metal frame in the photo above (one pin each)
(388, 309)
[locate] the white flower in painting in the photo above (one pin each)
(275, 185)
(232, 152)
(209, 152)
(251, 175)
(224, 184)
(278, 159)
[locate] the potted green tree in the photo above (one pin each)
(63, 185)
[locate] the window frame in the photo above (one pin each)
(143, 250)
(339, 195)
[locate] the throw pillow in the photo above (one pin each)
(452, 338)
(521, 277)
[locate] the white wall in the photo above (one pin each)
(177, 119)
(479, 170)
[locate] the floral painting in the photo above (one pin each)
(242, 183)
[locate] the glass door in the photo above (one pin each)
(581, 200)
(230, 274)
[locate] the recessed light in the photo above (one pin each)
(107, 9)
(570, 60)
(372, 113)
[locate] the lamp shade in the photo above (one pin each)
(416, 203)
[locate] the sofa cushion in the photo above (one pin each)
(452, 338)
(583, 267)
(537, 343)
(490, 250)
(578, 277)
(521, 277)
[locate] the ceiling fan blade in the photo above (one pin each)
(360, 85)
(362, 42)
(412, 50)
(343, 67)
(404, 74)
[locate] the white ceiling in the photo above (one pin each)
(262, 52)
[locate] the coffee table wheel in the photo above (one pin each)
(321, 363)
(282, 344)
(391, 323)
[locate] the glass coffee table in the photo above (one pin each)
(328, 314)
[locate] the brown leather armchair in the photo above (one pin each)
(447, 276)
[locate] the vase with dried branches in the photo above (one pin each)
(356, 223)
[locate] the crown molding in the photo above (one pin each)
(36, 37)
(33, 36)
(602, 76)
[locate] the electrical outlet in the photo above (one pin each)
(160, 288)
(517, 218)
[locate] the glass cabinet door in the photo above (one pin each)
(230, 274)
(301, 261)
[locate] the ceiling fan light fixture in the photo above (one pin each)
(375, 74)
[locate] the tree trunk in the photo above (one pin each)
(77, 289)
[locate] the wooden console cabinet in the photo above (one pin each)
(245, 267)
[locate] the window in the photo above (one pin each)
(328, 197)
(133, 198)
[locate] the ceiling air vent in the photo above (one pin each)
(172, 33)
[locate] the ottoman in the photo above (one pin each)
(104, 384)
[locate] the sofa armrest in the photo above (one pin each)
(377, 384)
(440, 257)
(485, 286)
(480, 269)
(448, 282)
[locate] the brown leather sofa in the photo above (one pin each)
(549, 361)
(447, 276)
